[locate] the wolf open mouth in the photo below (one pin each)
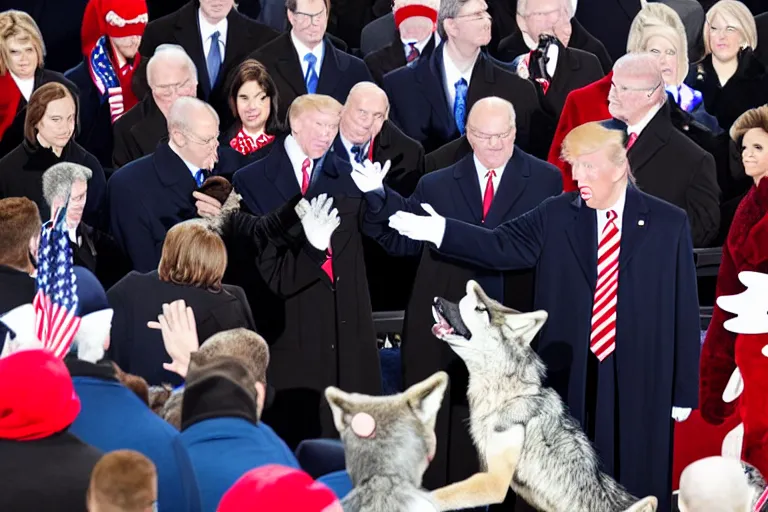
(448, 320)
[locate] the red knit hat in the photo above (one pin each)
(404, 9)
(114, 18)
(275, 488)
(37, 398)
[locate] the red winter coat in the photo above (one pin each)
(746, 248)
(584, 105)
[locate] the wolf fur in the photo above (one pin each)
(386, 466)
(524, 436)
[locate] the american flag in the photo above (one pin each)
(56, 300)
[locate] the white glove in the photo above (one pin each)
(369, 176)
(318, 220)
(680, 413)
(116, 105)
(418, 227)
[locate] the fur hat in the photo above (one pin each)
(404, 9)
(38, 398)
(113, 18)
(657, 19)
(274, 488)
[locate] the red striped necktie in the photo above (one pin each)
(603, 337)
(305, 176)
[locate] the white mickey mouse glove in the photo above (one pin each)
(429, 228)
(369, 176)
(319, 221)
(680, 413)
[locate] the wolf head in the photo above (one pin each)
(389, 435)
(486, 334)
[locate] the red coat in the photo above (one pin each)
(746, 248)
(589, 103)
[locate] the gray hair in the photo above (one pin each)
(448, 9)
(643, 64)
(184, 110)
(568, 5)
(58, 180)
(170, 53)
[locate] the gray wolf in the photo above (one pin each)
(389, 442)
(525, 438)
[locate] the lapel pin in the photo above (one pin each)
(641, 223)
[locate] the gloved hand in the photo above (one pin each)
(116, 105)
(418, 227)
(318, 220)
(369, 176)
(680, 413)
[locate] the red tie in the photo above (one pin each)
(305, 176)
(631, 141)
(413, 53)
(328, 265)
(603, 337)
(488, 195)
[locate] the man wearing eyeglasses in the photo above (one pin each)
(666, 163)
(304, 60)
(495, 183)
(217, 38)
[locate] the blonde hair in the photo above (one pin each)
(20, 25)
(752, 118)
(317, 102)
(123, 481)
(193, 255)
(736, 13)
(591, 137)
(657, 19)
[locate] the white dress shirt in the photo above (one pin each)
(640, 125)
(25, 85)
(207, 30)
(297, 156)
(301, 49)
(420, 45)
(553, 53)
(602, 215)
(73, 235)
(192, 168)
(453, 75)
(482, 177)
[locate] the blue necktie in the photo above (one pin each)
(359, 152)
(201, 176)
(214, 59)
(460, 105)
(311, 78)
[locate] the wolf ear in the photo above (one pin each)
(425, 397)
(525, 326)
(341, 407)
(647, 504)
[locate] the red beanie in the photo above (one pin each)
(275, 488)
(37, 398)
(114, 18)
(404, 9)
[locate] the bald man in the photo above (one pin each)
(365, 132)
(495, 183)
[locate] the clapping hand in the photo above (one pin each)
(419, 227)
(177, 324)
(369, 176)
(318, 220)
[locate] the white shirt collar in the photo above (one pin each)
(602, 215)
(453, 75)
(302, 49)
(192, 168)
(482, 175)
(297, 156)
(420, 45)
(640, 125)
(207, 30)
(26, 85)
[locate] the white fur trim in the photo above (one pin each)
(116, 20)
(93, 332)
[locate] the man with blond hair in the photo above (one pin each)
(123, 481)
(614, 270)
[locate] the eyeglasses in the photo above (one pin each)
(475, 16)
(167, 90)
(621, 89)
(489, 137)
(729, 29)
(306, 19)
(203, 142)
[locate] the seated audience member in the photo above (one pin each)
(554, 17)
(49, 127)
(171, 74)
(274, 488)
(22, 54)
(253, 103)
(107, 406)
(720, 484)
(44, 466)
(416, 37)
(730, 77)
(123, 481)
(303, 60)
(66, 184)
(149, 196)
(111, 34)
(20, 227)
(430, 100)
(191, 268)
(213, 33)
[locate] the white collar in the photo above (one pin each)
(192, 168)
(302, 50)
(420, 45)
(618, 207)
(640, 125)
(207, 30)
(295, 154)
(25, 85)
(452, 73)
(483, 170)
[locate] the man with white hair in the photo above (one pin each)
(722, 484)
(171, 74)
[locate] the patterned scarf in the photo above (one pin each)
(688, 99)
(245, 144)
(105, 78)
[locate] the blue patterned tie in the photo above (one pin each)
(214, 58)
(359, 152)
(201, 176)
(460, 105)
(311, 78)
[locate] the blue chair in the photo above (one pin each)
(319, 457)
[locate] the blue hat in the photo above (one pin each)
(91, 295)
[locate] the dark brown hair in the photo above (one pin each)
(291, 5)
(252, 70)
(123, 480)
(19, 222)
(37, 105)
(193, 255)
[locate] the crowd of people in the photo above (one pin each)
(188, 175)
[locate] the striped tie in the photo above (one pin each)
(603, 338)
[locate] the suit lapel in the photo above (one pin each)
(511, 186)
(654, 137)
(187, 35)
(465, 174)
(430, 75)
(281, 174)
(175, 176)
(483, 80)
(330, 71)
(634, 225)
(582, 235)
(289, 67)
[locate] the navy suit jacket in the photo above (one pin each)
(148, 196)
(657, 330)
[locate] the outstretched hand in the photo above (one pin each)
(318, 220)
(369, 176)
(179, 330)
(419, 227)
